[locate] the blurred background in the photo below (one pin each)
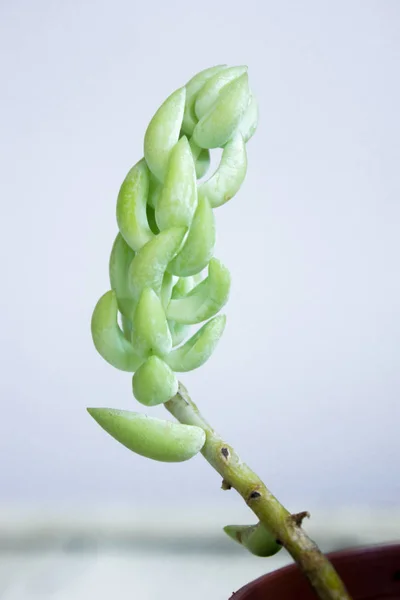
(305, 381)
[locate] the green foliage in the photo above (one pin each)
(166, 240)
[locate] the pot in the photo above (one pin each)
(368, 573)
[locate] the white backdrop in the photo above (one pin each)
(305, 382)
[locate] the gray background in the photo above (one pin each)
(305, 382)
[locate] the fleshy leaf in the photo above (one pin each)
(108, 338)
(155, 189)
(154, 382)
(149, 265)
(256, 538)
(205, 300)
(166, 289)
(218, 125)
(131, 207)
(192, 88)
(179, 332)
(199, 245)
(163, 133)
(212, 89)
(178, 199)
(120, 260)
(249, 122)
(150, 332)
(181, 288)
(229, 176)
(198, 348)
(150, 437)
(202, 163)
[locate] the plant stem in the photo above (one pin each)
(286, 527)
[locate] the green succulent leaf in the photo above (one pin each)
(108, 338)
(229, 176)
(218, 125)
(150, 263)
(211, 91)
(131, 207)
(126, 326)
(120, 260)
(154, 382)
(198, 349)
(192, 89)
(205, 300)
(166, 288)
(248, 124)
(179, 332)
(163, 133)
(256, 538)
(155, 189)
(178, 199)
(181, 288)
(202, 163)
(150, 437)
(199, 246)
(150, 331)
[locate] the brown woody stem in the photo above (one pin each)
(284, 526)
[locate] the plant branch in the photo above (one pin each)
(284, 526)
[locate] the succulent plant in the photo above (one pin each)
(164, 279)
(163, 276)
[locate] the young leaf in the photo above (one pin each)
(218, 125)
(192, 88)
(154, 382)
(150, 332)
(256, 538)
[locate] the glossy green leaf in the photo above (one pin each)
(126, 326)
(179, 331)
(218, 125)
(203, 162)
(108, 338)
(178, 199)
(201, 159)
(150, 437)
(131, 207)
(256, 538)
(205, 300)
(199, 245)
(198, 348)
(150, 332)
(249, 122)
(182, 287)
(192, 88)
(149, 265)
(166, 289)
(163, 133)
(120, 260)
(212, 89)
(154, 382)
(155, 189)
(229, 176)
